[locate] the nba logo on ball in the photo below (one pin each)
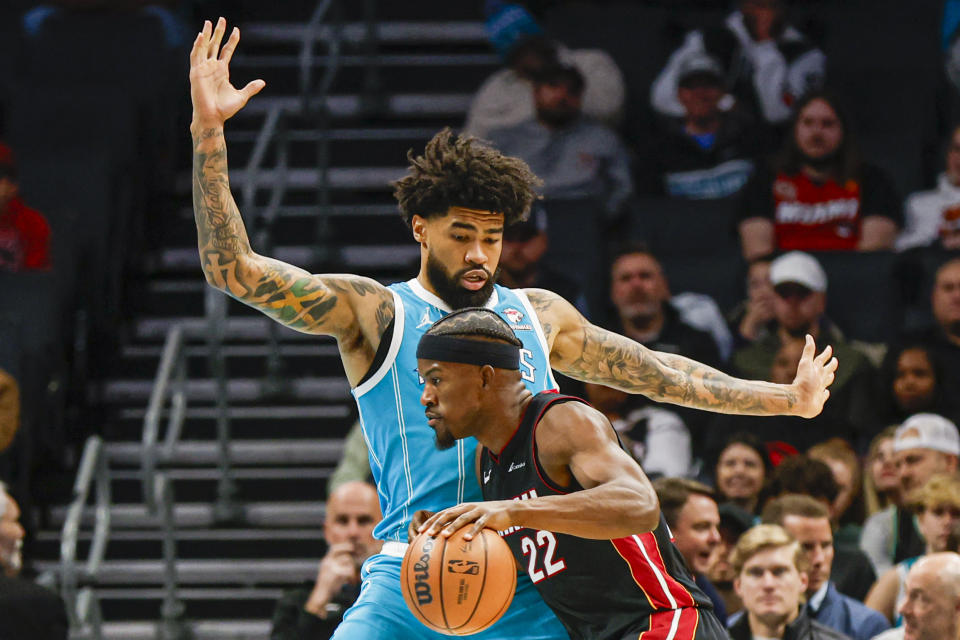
(456, 586)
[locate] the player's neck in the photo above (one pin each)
(504, 419)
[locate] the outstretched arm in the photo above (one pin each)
(586, 352)
(329, 304)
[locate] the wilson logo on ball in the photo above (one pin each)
(421, 572)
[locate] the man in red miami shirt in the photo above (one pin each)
(24, 232)
(818, 195)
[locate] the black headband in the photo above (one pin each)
(466, 351)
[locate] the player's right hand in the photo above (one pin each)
(418, 519)
(214, 98)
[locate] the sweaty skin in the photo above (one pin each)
(356, 310)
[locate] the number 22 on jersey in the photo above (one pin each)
(546, 541)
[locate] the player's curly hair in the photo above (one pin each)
(461, 171)
(475, 322)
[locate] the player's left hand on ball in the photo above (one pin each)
(416, 523)
(496, 515)
(814, 375)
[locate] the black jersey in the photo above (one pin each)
(599, 589)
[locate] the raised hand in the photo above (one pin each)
(814, 375)
(214, 99)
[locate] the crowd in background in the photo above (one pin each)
(741, 119)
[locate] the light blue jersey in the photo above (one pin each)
(410, 472)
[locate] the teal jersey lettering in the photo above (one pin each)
(410, 472)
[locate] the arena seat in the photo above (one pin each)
(577, 246)
(862, 297)
(696, 243)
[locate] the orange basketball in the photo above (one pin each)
(458, 586)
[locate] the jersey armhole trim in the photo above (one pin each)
(396, 340)
(535, 321)
(541, 472)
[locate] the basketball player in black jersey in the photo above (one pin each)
(578, 512)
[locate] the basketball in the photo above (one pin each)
(458, 586)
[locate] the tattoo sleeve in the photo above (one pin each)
(591, 354)
(288, 294)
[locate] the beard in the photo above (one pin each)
(952, 328)
(444, 440)
(449, 289)
(797, 331)
(821, 163)
(557, 118)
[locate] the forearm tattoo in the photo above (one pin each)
(591, 354)
(286, 293)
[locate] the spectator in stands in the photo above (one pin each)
(753, 318)
(640, 294)
(9, 409)
(801, 474)
(690, 509)
(937, 507)
(742, 468)
(646, 430)
(24, 232)
(734, 521)
(314, 612)
(847, 511)
(707, 152)
(27, 610)
(577, 158)
(934, 216)
(771, 580)
(522, 264)
(800, 285)
(911, 381)
(818, 195)
(944, 336)
(924, 445)
(354, 465)
(808, 521)
(931, 604)
(881, 484)
(767, 64)
(506, 98)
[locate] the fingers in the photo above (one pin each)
(824, 355)
(809, 348)
(198, 50)
(217, 37)
(227, 52)
(832, 366)
(253, 88)
(438, 520)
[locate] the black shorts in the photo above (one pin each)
(691, 624)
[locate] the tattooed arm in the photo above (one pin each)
(353, 309)
(583, 351)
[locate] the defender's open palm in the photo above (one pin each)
(814, 375)
(214, 98)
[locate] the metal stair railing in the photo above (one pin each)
(169, 388)
(314, 103)
(83, 607)
(273, 131)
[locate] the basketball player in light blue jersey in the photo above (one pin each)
(457, 199)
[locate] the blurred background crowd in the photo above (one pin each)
(721, 178)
